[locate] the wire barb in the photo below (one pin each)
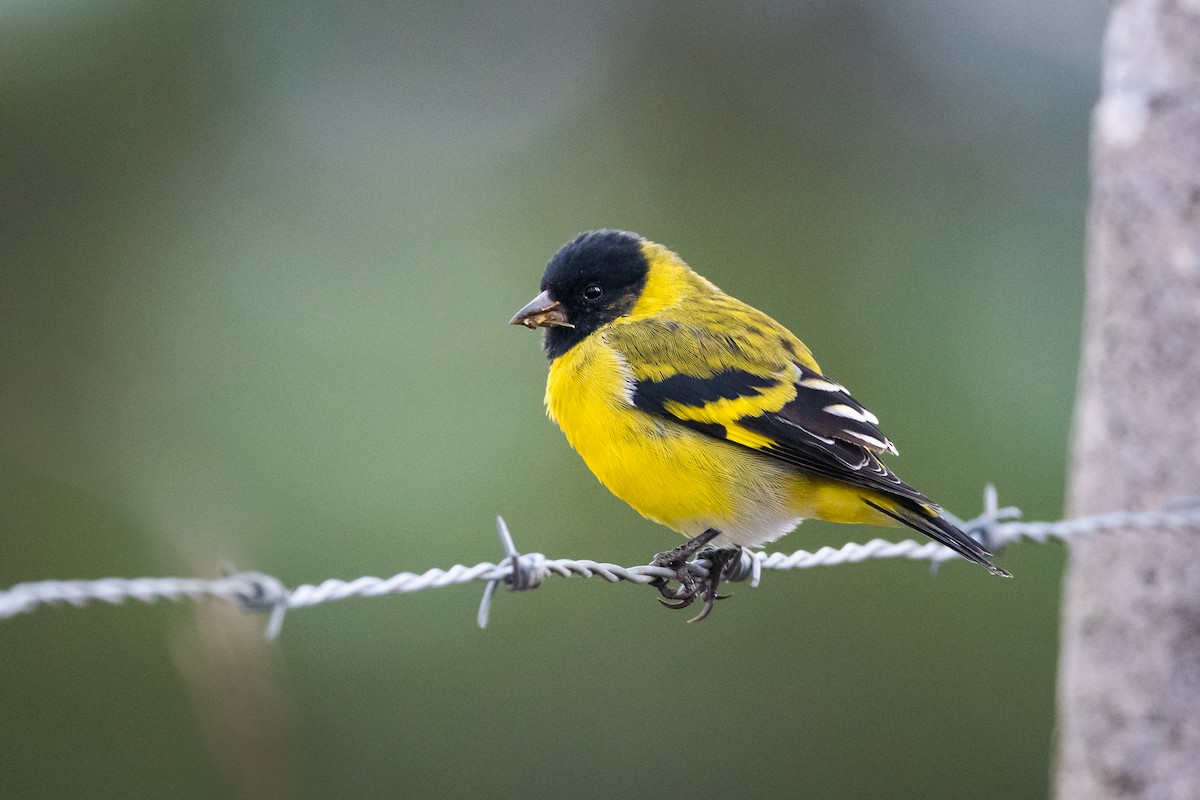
(995, 528)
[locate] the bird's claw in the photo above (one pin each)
(683, 602)
(676, 559)
(718, 560)
(690, 588)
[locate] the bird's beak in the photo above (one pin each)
(541, 312)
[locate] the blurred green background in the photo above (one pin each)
(256, 265)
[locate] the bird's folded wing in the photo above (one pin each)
(791, 413)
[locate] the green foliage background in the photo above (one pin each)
(256, 264)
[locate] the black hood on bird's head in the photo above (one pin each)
(596, 277)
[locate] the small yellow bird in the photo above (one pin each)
(705, 414)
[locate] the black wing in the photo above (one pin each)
(821, 429)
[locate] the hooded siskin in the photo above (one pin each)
(704, 413)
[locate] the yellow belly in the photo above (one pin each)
(661, 471)
(676, 476)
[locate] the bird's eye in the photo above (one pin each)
(593, 292)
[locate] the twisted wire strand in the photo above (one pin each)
(259, 592)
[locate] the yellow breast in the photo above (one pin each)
(670, 474)
(675, 476)
(659, 469)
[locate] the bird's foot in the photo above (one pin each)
(718, 560)
(689, 586)
(676, 559)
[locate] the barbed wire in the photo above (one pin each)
(258, 592)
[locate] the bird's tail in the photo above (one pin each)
(927, 520)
